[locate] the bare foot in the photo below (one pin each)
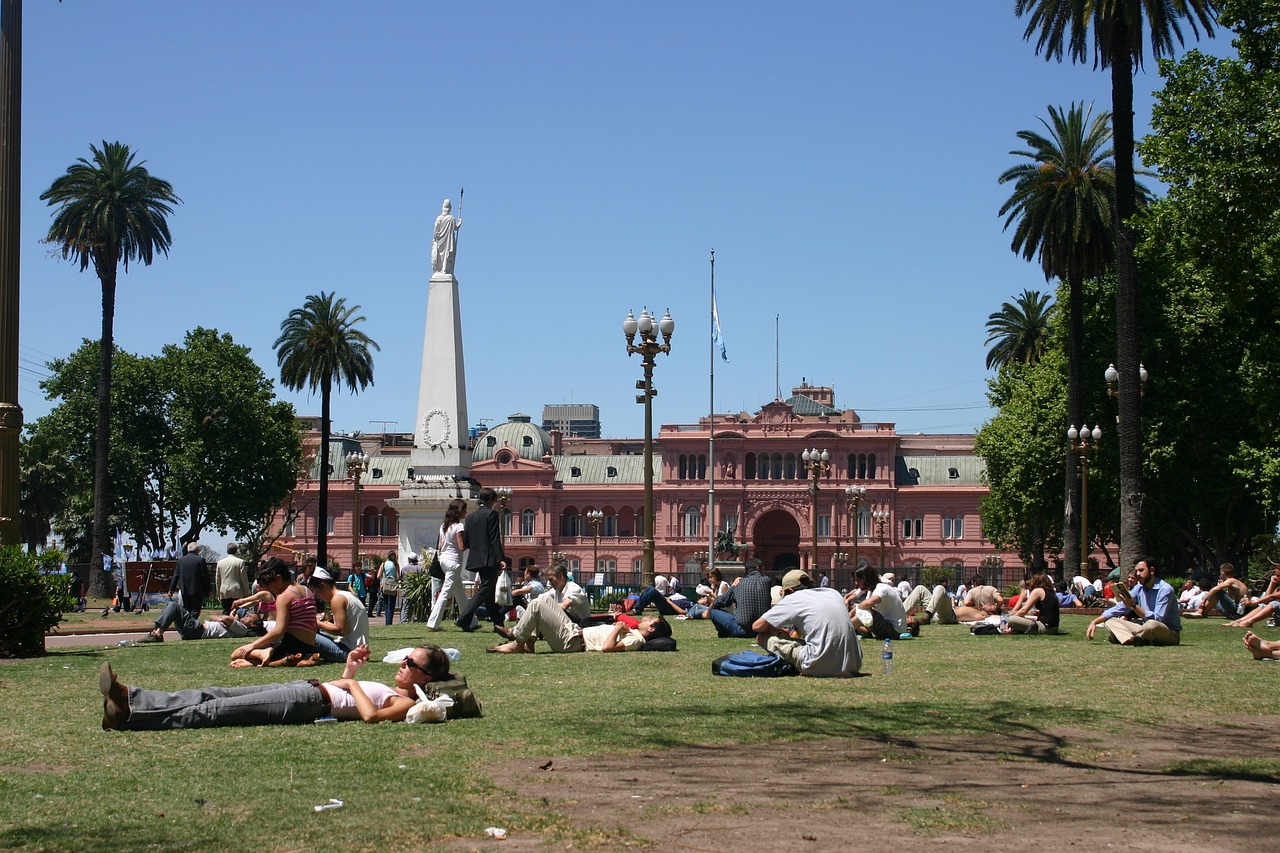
(1253, 643)
(241, 662)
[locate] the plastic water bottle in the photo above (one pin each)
(887, 657)
(1004, 623)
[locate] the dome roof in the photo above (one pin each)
(519, 433)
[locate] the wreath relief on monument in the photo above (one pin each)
(436, 429)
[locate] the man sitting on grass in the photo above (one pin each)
(1146, 615)
(810, 628)
(1230, 597)
(545, 617)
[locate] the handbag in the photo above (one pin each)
(437, 570)
(390, 585)
(502, 592)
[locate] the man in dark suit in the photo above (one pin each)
(192, 578)
(482, 531)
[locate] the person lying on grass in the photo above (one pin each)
(189, 626)
(138, 709)
(545, 617)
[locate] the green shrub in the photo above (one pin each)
(34, 594)
(416, 588)
(931, 576)
(604, 602)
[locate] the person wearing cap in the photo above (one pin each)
(810, 628)
(349, 626)
(749, 597)
(1146, 615)
(411, 568)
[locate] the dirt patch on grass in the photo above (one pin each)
(1033, 789)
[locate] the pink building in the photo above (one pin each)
(920, 506)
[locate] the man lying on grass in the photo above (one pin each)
(545, 617)
(135, 708)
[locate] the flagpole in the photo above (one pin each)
(711, 429)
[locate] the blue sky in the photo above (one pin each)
(840, 157)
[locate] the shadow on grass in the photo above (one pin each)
(110, 836)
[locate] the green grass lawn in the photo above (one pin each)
(67, 785)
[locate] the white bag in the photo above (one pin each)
(502, 594)
(429, 710)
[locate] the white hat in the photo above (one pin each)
(321, 575)
(411, 557)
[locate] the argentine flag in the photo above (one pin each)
(717, 337)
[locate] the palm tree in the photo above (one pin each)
(1063, 206)
(110, 211)
(1020, 330)
(1117, 36)
(319, 345)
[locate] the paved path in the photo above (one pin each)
(66, 641)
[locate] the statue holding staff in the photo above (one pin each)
(444, 244)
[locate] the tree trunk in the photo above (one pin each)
(101, 540)
(1128, 342)
(322, 544)
(1071, 533)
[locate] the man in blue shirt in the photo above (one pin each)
(1146, 615)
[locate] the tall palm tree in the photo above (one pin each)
(1020, 330)
(1115, 28)
(1063, 206)
(319, 345)
(110, 211)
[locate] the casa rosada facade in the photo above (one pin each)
(919, 507)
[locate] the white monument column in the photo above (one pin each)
(441, 458)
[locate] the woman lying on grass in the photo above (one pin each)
(135, 708)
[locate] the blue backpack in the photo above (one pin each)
(751, 664)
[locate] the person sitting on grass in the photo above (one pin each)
(546, 618)
(809, 627)
(349, 625)
(137, 709)
(879, 613)
(189, 626)
(1266, 606)
(980, 601)
(1145, 615)
(1230, 597)
(1261, 649)
(937, 604)
(1040, 599)
(293, 637)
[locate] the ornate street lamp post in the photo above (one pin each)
(648, 349)
(816, 463)
(1084, 442)
(881, 518)
(357, 464)
(595, 518)
(855, 496)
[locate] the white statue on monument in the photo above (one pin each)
(444, 246)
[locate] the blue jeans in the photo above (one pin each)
(650, 595)
(331, 650)
(727, 625)
(208, 707)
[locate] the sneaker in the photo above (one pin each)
(152, 638)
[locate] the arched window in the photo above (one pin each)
(702, 466)
(390, 522)
(789, 466)
(610, 527)
(371, 522)
(506, 522)
(852, 469)
(777, 466)
(528, 520)
(871, 466)
(570, 522)
(683, 467)
(692, 521)
(749, 467)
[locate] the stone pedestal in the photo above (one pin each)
(421, 507)
(441, 442)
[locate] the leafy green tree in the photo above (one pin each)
(1063, 205)
(1116, 31)
(110, 211)
(319, 345)
(199, 440)
(1020, 330)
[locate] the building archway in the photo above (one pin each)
(775, 540)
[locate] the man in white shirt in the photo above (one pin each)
(810, 628)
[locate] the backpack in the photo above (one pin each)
(751, 664)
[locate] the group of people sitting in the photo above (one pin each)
(281, 620)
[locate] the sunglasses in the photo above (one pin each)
(409, 662)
